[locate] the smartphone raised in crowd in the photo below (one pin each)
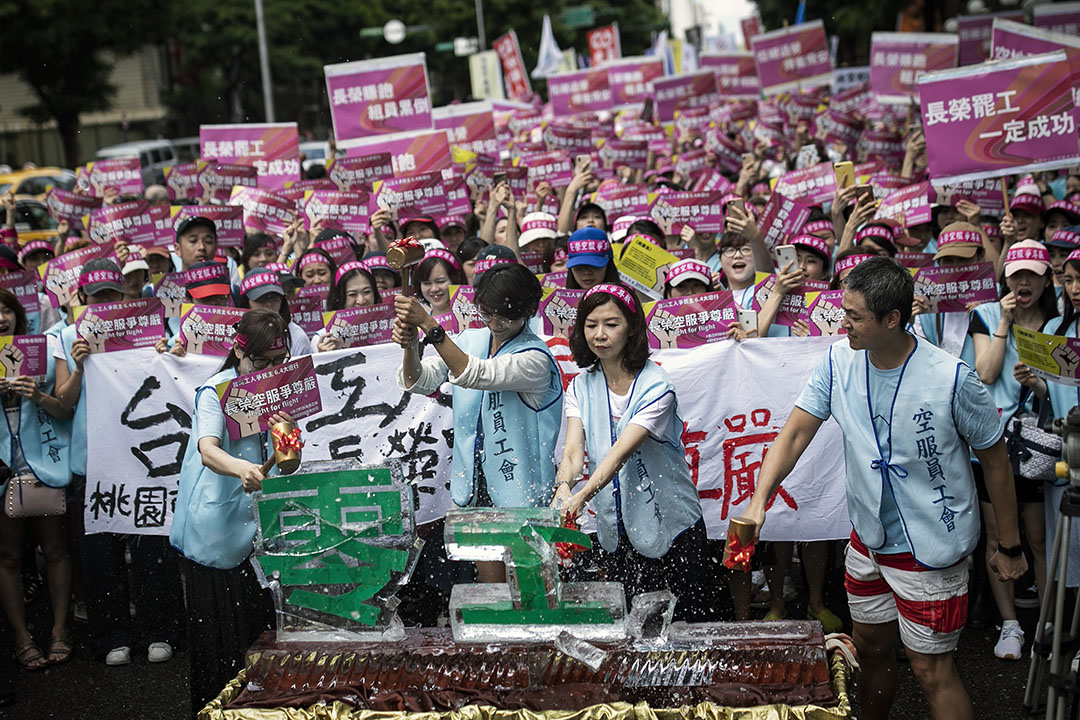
(845, 174)
(582, 162)
(498, 178)
(748, 319)
(862, 191)
(786, 254)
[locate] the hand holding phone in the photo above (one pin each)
(748, 320)
(785, 255)
(845, 174)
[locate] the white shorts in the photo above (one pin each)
(931, 604)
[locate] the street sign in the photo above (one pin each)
(464, 46)
(578, 16)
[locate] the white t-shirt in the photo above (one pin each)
(654, 418)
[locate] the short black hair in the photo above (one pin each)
(636, 353)
(509, 290)
(645, 226)
(253, 242)
(11, 301)
(427, 266)
(886, 285)
(469, 248)
(730, 238)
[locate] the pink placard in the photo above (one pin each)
(182, 181)
(248, 401)
(361, 326)
(1003, 118)
(208, 329)
(975, 31)
(306, 306)
(273, 149)
(24, 356)
(701, 210)
(1063, 18)
(824, 313)
(751, 27)
(123, 325)
(264, 210)
(691, 321)
(410, 153)
(694, 89)
(558, 311)
(952, 289)
(422, 194)
(792, 58)
(631, 153)
(356, 174)
(65, 205)
(793, 306)
(604, 45)
(630, 79)
(909, 205)
(60, 275)
(781, 218)
(813, 185)
(618, 199)
(123, 174)
(897, 59)
(553, 167)
(463, 308)
(379, 97)
(220, 178)
(25, 286)
(228, 219)
(736, 73)
(573, 139)
(130, 222)
(579, 91)
(348, 211)
(915, 259)
(170, 289)
(470, 126)
(1012, 39)
(986, 193)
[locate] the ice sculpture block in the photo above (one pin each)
(335, 544)
(534, 605)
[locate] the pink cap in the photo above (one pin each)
(37, 246)
(1074, 255)
(208, 272)
(1027, 255)
(451, 221)
(818, 226)
(849, 262)
(689, 269)
(616, 291)
(482, 266)
(991, 230)
(101, 276)
(811, 242)
(445, 255)
(1066, 236)
(1026, 202)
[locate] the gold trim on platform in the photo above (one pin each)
(839, 671)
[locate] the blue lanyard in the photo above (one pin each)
(881, 464)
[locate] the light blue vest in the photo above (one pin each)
(652, 499)
(78, 423)
(214, 521)
(925, 462)
(44, 440)
(1006, 390)
(930, 332)
(518, 441)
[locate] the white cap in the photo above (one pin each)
(537, 225)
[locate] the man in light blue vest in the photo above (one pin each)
(909, 412)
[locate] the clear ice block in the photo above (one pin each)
(650, 615)
(578, 649)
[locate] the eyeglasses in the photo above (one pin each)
(731, 252)
(488, 319)
(260, 362)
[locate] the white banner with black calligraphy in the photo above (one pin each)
(733, 397)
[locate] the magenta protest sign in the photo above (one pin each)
(984, 192)
(691, 88)
(379, 97)
(356, 174)
(24, 356)
(953, 289)
(306, 306)
(248, 401)
(208, 329)
(1012, 39)
(975, 32)
(736, 73)
(264, 210)
(468, 125)
(129, 221)
(563, 136)
(1063, 18)
(793, 306)
(558, 310)
(361, 326)
(66, 205)
(909, 205)
(418, 152)
(182, 181)
(617, 199)
(120, 325)
(122, 174)
(792, 58)
(25, 286)
(897, 59)
(630, 79)
(422, 194)
(1007, 117)
(346, 211)
(702, 211)
(824, 313)
(273, 149)
(579, 91)
(61, 274)
(228, 219)
(814, 185)
(615, 153)
(554, 167)
(690, 321)
(170, 289)
(781, 218)
(514, 73)
(218, 179)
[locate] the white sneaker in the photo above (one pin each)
(159, 652)
(119, 656)
(1010, 644)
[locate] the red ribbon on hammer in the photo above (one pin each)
(738, 555)
(567, 550)
(290, 442)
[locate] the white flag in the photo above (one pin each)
(550, 56)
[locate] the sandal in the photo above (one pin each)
(30, 658)
(60, 649)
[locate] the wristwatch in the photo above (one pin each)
(1013, 552)
(434, 336)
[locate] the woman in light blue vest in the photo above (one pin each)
(622, 411)
(36, 443)
(507, 394)
(1029, 301)
(214, 524)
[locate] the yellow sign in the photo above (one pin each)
(1051, 357)
(643, 266)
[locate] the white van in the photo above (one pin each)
(154, 156)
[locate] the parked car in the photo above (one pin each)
(32, 219)
(36, 182)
